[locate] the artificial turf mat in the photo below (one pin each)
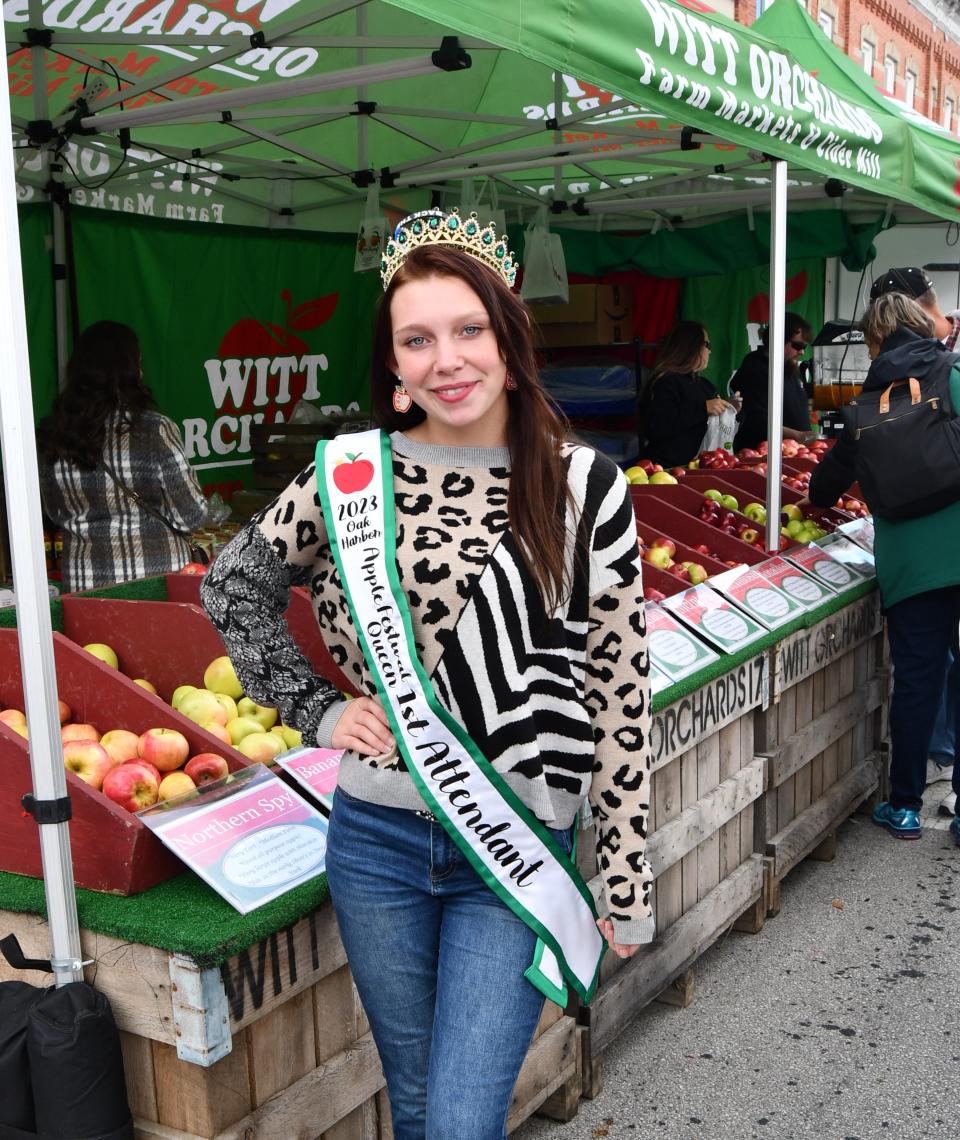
(186, 916)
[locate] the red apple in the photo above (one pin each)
(193, 568)
(353, 476)
(131, 786)
(65, 711)
(79, 732)
(652, 595)
(13, 717)
(86, 759)
(666, 544)
(681, 572)
(151, 769)
(205, 767)
(165, 748)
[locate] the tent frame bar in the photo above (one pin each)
(775, 339)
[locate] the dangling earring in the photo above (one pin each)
(510, 384)
(401, 398)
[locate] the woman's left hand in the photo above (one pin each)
(621, 949)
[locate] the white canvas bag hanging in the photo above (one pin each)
(544, 266)
(372, 234)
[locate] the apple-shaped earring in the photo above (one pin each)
(402, 400)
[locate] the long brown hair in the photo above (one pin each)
(535, 429)
(680, 350)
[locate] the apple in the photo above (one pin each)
(104, 652)
(652, 595)
(658, 556)
(756, 511)
(791, 511)
(678, 472)
(702, 548)
(66, 712)
(145, 684)
(175, 784)
(668, 545)
(261, 747)
(132, 786)
(21, 729)
(152, 769)
(12, 717)
(220, 677)
(228, 704)
(713, 494)
(636, 474)
(79, 732)
(86, 759)
(748, 453)
(293, 737)
(193, 568)
(354, 475)
(165, 748)
(680, 571)
(206, 767)
(179, 693)
(120, 744)
(696, 572)
(242, 726)
(730, 502)
(215, 728)
(662, 477)
(749, 535)
(267, 716)
(202, 704)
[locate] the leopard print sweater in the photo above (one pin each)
(559, 703)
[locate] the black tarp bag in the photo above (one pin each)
(61, 1068)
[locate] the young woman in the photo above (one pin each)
(113, 474)
(921, 596)
(678, 400)
(522, 656)
(751, 380)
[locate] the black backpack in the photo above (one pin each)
(907, 439)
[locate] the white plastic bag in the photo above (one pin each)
(544, 267)
(720, 429)
(371, 236)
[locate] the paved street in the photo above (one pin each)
(836, 1022)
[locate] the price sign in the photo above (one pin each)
(849, 554)
(674, 650)
(861, 532)
(250, 836)
(316, 770)
(763, 600)
(803, 589)
(714, 619)
(827, 571)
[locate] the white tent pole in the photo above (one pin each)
(21, 485)
(778, 304)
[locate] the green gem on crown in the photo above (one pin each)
(403, 237)
(488, 239)
(500, 251)
(434, 223)
(453, 222)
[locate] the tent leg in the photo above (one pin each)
(778, 302)
(22, 488)
(61, 284)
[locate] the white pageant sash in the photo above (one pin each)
(505, 843)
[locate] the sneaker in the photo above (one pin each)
(948, 805)
(955, 830)
(901, 822)
(937, 772)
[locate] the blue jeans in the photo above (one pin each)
(920, 630)
(943, 743)
(438, 961)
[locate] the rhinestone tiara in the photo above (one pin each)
(434, 227)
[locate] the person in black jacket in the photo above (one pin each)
(678, 400)
(751, 380)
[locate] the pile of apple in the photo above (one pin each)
(719, 459)
(801, 528)
(793, 449)
(661, 552)
(719, 510)
(646, 471)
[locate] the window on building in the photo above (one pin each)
(890, 74)
(948, 113)
(825, 20)
(869, 54)
(910, 87)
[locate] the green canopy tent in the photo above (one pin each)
(279, 112)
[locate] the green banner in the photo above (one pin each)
(236, 324)
(733, 306)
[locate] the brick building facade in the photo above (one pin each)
(910, 47)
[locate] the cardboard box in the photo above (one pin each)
(594, 315)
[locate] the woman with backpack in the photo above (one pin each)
(917, 523)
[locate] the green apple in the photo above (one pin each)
(730, 503)
(660, 477)
(104, 652)
(200, 705)
(658, 556)
(242, 726)
(714, 494)
(265, 715)
(293, 736)
(636, 475)
(220, 677)
(228, 704)
(756, 512)
(261, 747)
(792, 511)
(795, 528)
(179, 693)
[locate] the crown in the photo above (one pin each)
(434, 227)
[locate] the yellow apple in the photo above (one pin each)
(104, 652)
(261, 747)
(228, 704)
(215, 728)
(12, 717)
(220, 677)
(293, 736)
(145, 684)
(176, 784)
(201, 705)
(242, 726)
(264, 714)
(120, 744)
(179, 693)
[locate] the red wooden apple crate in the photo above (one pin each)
(112, 850)
(676, 523)
(749, 485)
(688, 499)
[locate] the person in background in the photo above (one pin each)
(921, 597)
(519, 571)
(751, 381)
(113, 473)
(912, 282)
(678, 400)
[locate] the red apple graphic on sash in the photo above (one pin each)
(353, 474)
(250, 338)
